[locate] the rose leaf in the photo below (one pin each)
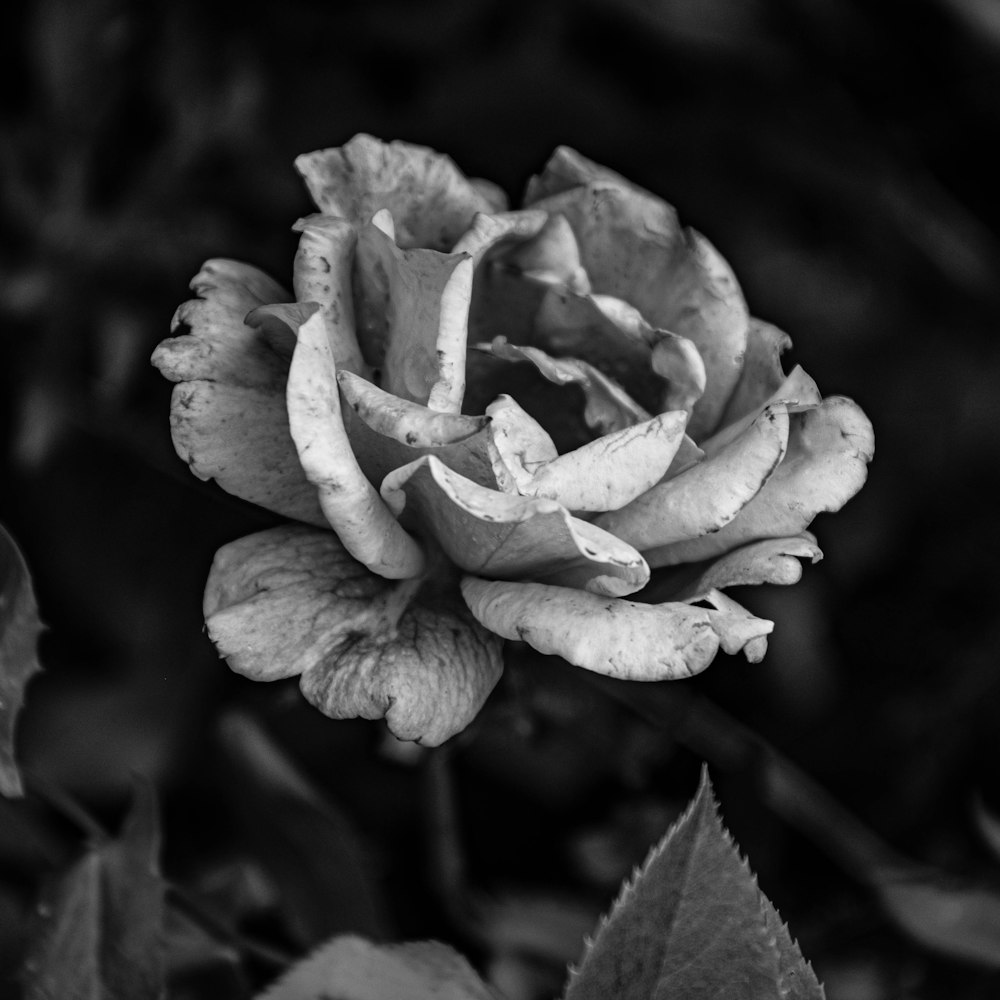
(693, 924)
(100, 927)
(351, 968)
(19, 630)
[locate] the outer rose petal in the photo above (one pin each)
(349, 501)
(322, 274)
(829, 449)
(432, 202)
(291, 600)
(774, 560)
(639, 642)
(228, 419)
(707, 495)
(510, 536)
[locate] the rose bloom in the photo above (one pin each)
(557, 425)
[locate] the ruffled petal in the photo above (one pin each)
(292, 601)
(633, 247)
(829, 448)
(322, 274)
(227, 416)
(707, 495)
(509, 536)
(432, 202)
(423, 297)
(623, 639)
(608, 406)
(349, 502)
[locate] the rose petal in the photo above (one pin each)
(677, 360)
(322, 274)
(599, 331)
(291, 600)
(762, 373)
(797, 390)
(349, 501)
(707, 495)
(829, 448)
(387, 432)
(487, 231)
(634, 248)
(612, 470)
(737, 628)
(424, 298)
(774, 560)
(623, 639)
(432, 202)
(506, 535)
(277, 601)
(551, 256)
(227, 415)
(608, 407)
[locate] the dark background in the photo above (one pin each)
(841, 155)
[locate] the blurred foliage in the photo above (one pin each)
(840, 154)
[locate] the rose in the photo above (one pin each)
(672, 439)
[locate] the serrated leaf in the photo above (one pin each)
(694, 924)
(19, 630)
(351, 968)
(101, 924)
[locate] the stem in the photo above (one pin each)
(792, 794)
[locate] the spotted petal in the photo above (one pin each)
(623, 639)
(350, 503)
(707, 495)
(432, 202)
(508, 536)
(829, 448)
(227, 415)
(292, 601)
(322, 274)
(614, 469)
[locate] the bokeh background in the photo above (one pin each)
(843, 157)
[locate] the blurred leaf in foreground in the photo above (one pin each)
(351, 968)
(19, 630)
(101, 924)
(961, 921)
(693, 924)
